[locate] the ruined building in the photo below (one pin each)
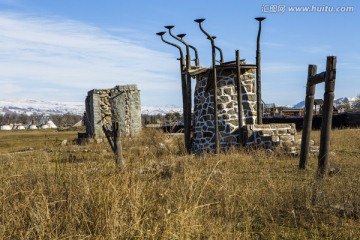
(106, 106)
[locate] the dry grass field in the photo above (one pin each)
(49, 191)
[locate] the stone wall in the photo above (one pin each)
(265, 135)
(105, 106)
(269, 135)
(203, 123)
(126, 109)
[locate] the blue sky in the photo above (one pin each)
(58, 50)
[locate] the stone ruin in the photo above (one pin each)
(106, 106)
(266, 135)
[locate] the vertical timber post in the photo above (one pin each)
(259, 111)
(216, 124)
(187, 116)
(239, 97)
(307, 123)
(323, 158)
(183, 81)
(119, 158)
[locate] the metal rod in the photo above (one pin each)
(307, 122)
(216, 124)
(197, 63)
(183, 82)
(187, 117)
(324, 152)
(258, 74)
(239, 97)
(220, 51)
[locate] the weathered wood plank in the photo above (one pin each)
(324, 152)
(307, 125)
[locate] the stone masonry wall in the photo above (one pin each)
(126, 109)
(203, 125)
(270, 135)
(104, 106)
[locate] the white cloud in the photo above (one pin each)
(61, 55)
(318, 49)
(277, 67)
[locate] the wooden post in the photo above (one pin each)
(183, 84)
(119, 159)
(216, 122)
(323, 158)
(188, 101)
(239, 97)
(307, 123)
(184, 98)
(259, 111)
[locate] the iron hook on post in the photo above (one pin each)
(187, 117)
(216, 125)
(183, 82)
(220, 51)
(197, 62)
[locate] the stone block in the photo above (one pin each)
(280, 125)
(282, 132)
(228, 91)
(275, 138)
(286, 138)
(249, 97)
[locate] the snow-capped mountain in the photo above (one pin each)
(160, 110)
(340, 102)
(38, 107)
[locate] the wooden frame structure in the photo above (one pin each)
(328, 77)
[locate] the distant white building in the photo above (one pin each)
(20, 127)
(5, 127)
(32, 127)
(51, 124)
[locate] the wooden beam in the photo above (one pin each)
(239, 97)
(307, 124)
(317, 78)
(324, 152)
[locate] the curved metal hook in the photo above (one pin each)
(161, 34)
(192, 47)
(220, 51)
(188, 58)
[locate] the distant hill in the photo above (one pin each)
(38, 107)
(339, 102)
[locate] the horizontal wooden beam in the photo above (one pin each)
(318, 78)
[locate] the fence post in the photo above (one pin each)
(323, 158)
(307, 123)
(119, 159)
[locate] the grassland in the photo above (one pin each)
(49, 191)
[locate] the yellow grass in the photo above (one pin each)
(76, 192)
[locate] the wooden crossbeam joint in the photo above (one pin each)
(318, 78)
